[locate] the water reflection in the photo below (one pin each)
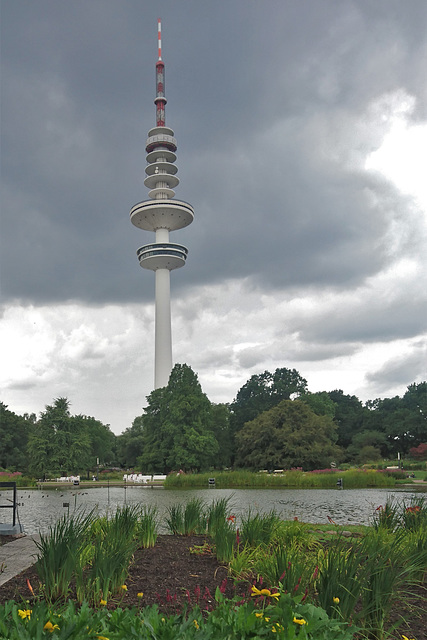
(38, 509)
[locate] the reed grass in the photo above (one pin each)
(114, 544)
(224, 537)
(339, 578)
(147, 527)
(326, 479)
(288, 566)
(257, 529)
(387, 572)
(188, 519)
(195, 517)
(242, 565)
(294, 533)
(59, 553)
(217, 513)
(175, 519)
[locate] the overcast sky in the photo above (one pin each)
(302, 146)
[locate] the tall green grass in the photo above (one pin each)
(288, 566)
(217, 513)
(58, 554)
(326, 479)
(224, 537)
(257, 529)
(147, 527)
(188, 519)
(339, 578)
(114, 544)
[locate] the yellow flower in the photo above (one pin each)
(140, 594)
(124, 587)
(264, 592)
(50, 627)
(102, 603)
(267, 619)
(405, 638)
(336, 600)
(299, 621)
(24, 613)
(196, 624)
(259, 615)
(102, 638)
(277, 627)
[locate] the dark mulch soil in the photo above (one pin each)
(165, 572)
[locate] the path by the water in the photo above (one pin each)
(16, 556)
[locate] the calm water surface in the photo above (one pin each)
(38, 509)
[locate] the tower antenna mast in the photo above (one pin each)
(160, 100)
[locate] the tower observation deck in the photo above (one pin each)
(161, 214)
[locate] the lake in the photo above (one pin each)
(38, 509)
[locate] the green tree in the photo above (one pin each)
(102, 440)
(262, 392)
(320, 402)
(62, 444)
(130, 443)
(288, 435)
(368, 446)
(14, 431)
(349, 416)
(220, 425)
(177, 426)
(402, 420)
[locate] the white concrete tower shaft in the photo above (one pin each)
(162, 215)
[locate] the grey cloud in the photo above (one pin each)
(369, 320)
(402, 370)
(22, 386)
(318, 353)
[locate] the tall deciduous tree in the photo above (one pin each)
(178, 426)
(320, 402)
(14, 431)
(220, 424)
(403, 420)
(288, 435)
(62, 444)
(264, 391)
(349, 416)
(130, 443)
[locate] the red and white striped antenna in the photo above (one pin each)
(159, 37)
(160, 100)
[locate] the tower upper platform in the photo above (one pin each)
(151, 215)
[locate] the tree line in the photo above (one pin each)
(273, 422)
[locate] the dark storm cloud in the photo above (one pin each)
(259, 97)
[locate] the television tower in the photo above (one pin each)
(161, 214)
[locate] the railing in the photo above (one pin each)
(11, 485)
